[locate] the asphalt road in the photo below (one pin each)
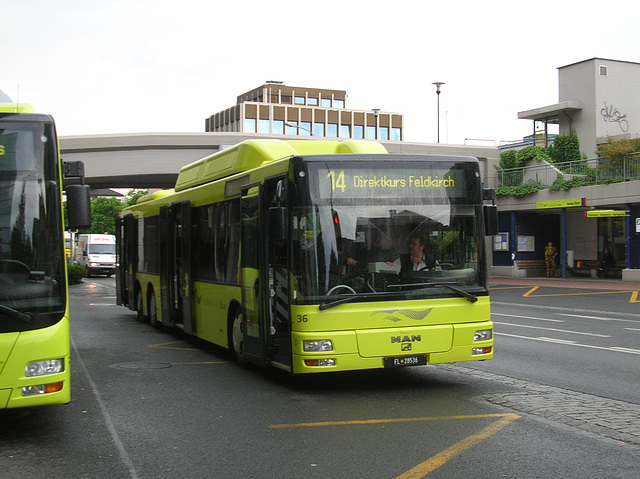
(153, 403)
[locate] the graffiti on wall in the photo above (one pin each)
(612, 115)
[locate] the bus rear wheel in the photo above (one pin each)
(139, 307)
(153, 312)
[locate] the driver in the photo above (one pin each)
(416, 259)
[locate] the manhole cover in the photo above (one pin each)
(140, 366)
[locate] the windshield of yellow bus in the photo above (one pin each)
(412, 229)
(31, 244)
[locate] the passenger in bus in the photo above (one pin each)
(417, 259)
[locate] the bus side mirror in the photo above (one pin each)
(78, 206)
(490, 220)
(277, 225)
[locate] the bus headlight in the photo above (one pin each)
(318, 345)
(483, 335)
(42, 368)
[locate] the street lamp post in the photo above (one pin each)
(438, 84)
(376, 114)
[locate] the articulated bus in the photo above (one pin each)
(285, 252)
(34, 312)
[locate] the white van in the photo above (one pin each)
(97, 253)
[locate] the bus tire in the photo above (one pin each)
(140, 308)
(153, 311)
(236, 340)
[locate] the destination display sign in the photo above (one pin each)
(390, 183)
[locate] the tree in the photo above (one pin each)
(616, 150)
(133, 196)
(104, 212)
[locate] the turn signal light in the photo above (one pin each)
(476, 351)
(320, 362)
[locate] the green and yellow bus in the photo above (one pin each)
(285, 252)
(34, 311)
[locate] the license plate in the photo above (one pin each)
(405, 361)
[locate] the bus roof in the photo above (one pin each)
(154, 196)
(253, 153)
(16, 108)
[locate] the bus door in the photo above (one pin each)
(127, 234)
(265, 290)
(251, 264)
(175, 282)
(277, 307)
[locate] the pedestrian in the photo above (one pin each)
(605, 263)
(550, 254)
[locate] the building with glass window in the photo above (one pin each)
(277, 109)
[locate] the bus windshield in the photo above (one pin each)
(31, 253)
(356, 243)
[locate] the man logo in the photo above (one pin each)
(406, 347)
(406, 339)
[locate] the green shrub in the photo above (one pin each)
(530, 153)
(75, 273)
(509, 159)
(519, 190)
(565, 148)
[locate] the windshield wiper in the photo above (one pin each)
(14, 313)
(327, 303)
(471, 297)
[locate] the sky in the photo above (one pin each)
(140, 66)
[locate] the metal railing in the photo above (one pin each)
(584, 172)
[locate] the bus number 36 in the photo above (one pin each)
(337, 182)
(302, 318)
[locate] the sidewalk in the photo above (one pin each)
(571, 282)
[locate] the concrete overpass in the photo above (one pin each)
(153, 160)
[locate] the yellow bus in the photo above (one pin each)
(34, 312)
(290, 254)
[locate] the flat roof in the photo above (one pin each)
(550, 112)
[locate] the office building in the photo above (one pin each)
(278, 109)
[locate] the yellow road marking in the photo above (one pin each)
(379, 421)
(168, 346)
(529, 294)
(202, 362)
(421, 470)
(430, 465)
